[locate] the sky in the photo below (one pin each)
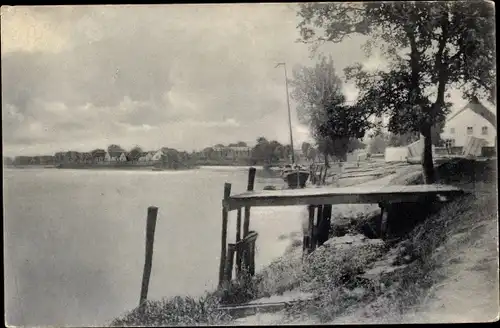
(179, 76)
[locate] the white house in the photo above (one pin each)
(157, 155)
(235, 152)
(474, 120)
(122, 158)
(110, 158)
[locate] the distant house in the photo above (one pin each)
(474, 120)
(112, 156)
(157, 156)
(146, 157)
(142, 157)
(122, 158)
(98, 155)
(232, 153)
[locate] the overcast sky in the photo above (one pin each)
(181, 76)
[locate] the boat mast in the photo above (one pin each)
(289, 114)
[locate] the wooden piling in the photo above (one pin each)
(228, 270)
(319, 216)
(311, 209)
(238, 238)
(251, 266)
(227, 193)
(250, 187)
(324, 224)
(150, 236)
(247, 245)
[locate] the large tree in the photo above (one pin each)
(321, 104)
(135, 153)
(429, 47)
(267, 152)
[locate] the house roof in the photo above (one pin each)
(477, 107)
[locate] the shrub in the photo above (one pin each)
(176, 311)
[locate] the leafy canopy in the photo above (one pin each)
(429, 47)
(322, 105)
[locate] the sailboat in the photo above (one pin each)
(295, 175)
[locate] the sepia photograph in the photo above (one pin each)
(234, 164)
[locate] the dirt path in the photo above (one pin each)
(469, 293)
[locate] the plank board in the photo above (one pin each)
(372, 194)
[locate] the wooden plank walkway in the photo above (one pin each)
(338, 195)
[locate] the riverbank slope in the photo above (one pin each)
(356, 279)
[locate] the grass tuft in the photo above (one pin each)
(176, 311)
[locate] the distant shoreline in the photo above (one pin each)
(99, 167)
(116, 166)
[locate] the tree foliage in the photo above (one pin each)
(401, 140)
(269, 152)
(429, 47)
(115, 150)
(321, 105)
(135, 153)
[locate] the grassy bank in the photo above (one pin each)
(355, 275)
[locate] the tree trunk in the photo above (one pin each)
(327, 165)
(427, 161)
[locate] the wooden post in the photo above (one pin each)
(251, 264)
(150, 237)
(250, 187)
(238, 238)
(227, 193)
(247, 246)
(244, 259)
(228, 272)
(319, 216)
(324, 224)
(384, 220)
(311, 209)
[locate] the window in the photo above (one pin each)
(484, 130)
(452, 130)
(469, 130)
(449, 143)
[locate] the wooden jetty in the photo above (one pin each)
(319, 202)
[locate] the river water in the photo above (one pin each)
(74, 239)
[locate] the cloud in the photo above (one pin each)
(185, 76)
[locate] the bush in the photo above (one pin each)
(176, 311)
